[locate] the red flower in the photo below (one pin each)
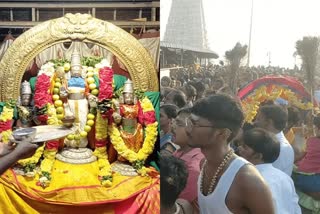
(52, 145)
(105, 80)
(140, 113)
(149, 117)
(41, 96)
(42, 118)
(110, 117)
(4, 126)
(101, 143)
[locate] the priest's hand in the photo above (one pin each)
(25, 150)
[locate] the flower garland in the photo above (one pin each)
(151, 132)
(46, 103)
(251, 103)
(42, 96)
(105, 174)
(101, 128)
(6, 118)
(105, 81)
(29, 164)
(50, 151)
(47, 164)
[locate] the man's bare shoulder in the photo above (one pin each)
(249, 178)
(249, 192)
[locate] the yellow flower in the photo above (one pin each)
(50, 154)
(101, 127)
(34, 159)
(6, 114)
(6, 136)
(143, 171)
(51, 111)
(124, 151)
(106, 183)
(146, 105)
(46, 165)
(103, 163)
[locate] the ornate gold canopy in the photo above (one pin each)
(79, 27)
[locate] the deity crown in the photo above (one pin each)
(128, 86)
(76, 67)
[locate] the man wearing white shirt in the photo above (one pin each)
(273, 118)
(261, 149)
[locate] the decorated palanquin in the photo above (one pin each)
(100, 166)
(286, 90)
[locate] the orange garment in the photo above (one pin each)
(130, 111)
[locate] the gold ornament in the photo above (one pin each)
(72, 27)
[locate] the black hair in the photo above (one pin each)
(186, 110)
(170, 110)
(247, 127)
(219, 80)
(221, 110)
(179, 98)
(164, 91)
(190, 90)
(277, 114)
(173, 179)
(199, 86)
(209, 93)
(261, 141)
(293, 116)
(165, 81)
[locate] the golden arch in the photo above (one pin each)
(71, 27)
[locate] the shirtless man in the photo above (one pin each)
(227, 183)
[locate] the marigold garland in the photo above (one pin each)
(146, 105)
(151, 132)
(105, 173)
(30, 163)
(46, 166)
(52, 119)
(101, 127)
(6, 118)
(251, 103)
(43, 99)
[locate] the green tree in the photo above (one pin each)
(307, 49)
(234, 58)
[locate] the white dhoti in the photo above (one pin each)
(80, 110)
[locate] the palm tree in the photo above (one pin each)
(307, 49)
(234, 58)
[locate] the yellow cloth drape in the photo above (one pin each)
(75, 185)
